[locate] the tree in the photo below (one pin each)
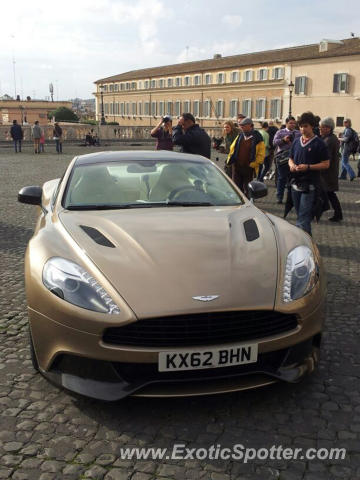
(63, 114)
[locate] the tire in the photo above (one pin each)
(32, 352)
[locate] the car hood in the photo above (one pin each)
(163, 257)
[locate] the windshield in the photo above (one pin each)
(148, 184)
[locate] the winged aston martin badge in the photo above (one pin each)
(206, 298)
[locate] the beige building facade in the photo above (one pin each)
(326, 80)
(28, 111)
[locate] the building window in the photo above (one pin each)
(234, 77)
(300, 85)
(341, 83)
(116, 87)
(246, 108)
(208, 79)
(111, 88)
(127, 108)
(122, 86)
(161, 109)
(122, 108)
(262, 74)
(111, 108)
(117, 108)
(161, 83)
(133, 85)
(248, 76)
(275, 108)
(260, 108)
(146, 108)
(196, 108)
(169, 82)
(105, 88)
(187, 81)
(133, 108)
(233, 108)
(140, 108)
(153, 108)
(187, 106)
(169, 108)
(153, 83)
(140, 85)
(178, 81)
(106, 109)
(220, 77)
(219, 109)
(278, 73)
(340, 121)
(177, 108)
(146, 84)
(197, 80)
(206, 108)
(127, 85)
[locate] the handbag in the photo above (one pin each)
(282, 157)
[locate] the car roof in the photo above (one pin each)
(138, 155)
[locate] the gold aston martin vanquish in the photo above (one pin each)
(150, 274)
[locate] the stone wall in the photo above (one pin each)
(77, 132)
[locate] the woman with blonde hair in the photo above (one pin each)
(231, 131)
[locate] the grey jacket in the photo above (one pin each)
(36, 131)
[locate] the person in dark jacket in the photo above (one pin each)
(17, 135)
(330, 176)
(191, 137)
(57, 132)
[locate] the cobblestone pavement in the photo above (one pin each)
(47, 434)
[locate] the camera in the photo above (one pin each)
(166, 119)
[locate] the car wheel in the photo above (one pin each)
(32, 352)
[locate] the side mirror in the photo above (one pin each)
(257, 189)
(31, 195)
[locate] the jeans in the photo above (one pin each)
(345, 166)
(58, 146)
(283, 172)
(264, 168)
(303, 203)
(16, 144)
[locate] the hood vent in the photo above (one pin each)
(97, 236)
(251, 230)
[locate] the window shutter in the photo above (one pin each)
(347, 83)
(305, 85)
(258, 75)
(243, 107)
(257, 109)
(297, 85)
(336, 82)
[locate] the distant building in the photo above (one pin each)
(27, 111)
(326, 79)
(84, 108)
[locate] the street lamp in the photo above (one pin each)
(291, 89)
(102, 120)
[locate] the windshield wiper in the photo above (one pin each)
(189, 204)
(99, 207)
(138, 205)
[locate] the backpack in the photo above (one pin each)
(354, 143)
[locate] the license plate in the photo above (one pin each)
(207, 358)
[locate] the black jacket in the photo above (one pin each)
(16, 132)
(194, 140)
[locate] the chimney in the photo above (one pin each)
(217, 56)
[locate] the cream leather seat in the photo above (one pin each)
(171, 177)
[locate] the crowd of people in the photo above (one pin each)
(38, 136)
(303, 155)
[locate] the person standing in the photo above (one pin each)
(308, 157)
(264, 168)
(42, 142)
(163, 133)
(191, 137)
(231, 131)
(36, 133)
(17, 135)
(247, 153)
(330, 176)
(282, 142)
(57, 132)
(271, 131)
(346, 149)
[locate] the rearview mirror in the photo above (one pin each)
(31, 195)
(257, 189)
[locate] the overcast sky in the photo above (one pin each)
(72, 43)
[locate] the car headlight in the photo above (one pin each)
(301, 273)
(72, 283)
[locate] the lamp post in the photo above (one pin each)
(102, 120)
(291, 89)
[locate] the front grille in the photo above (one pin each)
(201, 329)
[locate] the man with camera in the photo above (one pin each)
(191, 137)
(163, 133)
